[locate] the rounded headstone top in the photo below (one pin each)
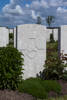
(32, 25)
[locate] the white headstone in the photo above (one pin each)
(31, 41)
(64, 39)
(4, 36)
(63, 42)
(55, 34)
(15, 37)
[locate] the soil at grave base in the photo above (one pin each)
(15, 95)
(63, 91)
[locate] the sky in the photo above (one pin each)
(16, 12)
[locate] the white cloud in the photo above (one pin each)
(27, 5)
(44, 4)
(28, 12)
(17, 10)
(35, 4)
(56, 3)
(12, 1)
(38, 4)
(34, 16)
(61, 10)
(65, 3)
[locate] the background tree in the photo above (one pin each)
(39, 20)
(49, 21)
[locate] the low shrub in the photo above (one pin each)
(39, 88)
(64, 77)
(10, 68)
(53, 69)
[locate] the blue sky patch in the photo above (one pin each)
(16, 12)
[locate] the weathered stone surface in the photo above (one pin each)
(15, 37)
(4, 36)
(63, 44)
(31, 41)
(56, 34)
(64, 39)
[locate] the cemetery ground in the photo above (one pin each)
(50, 84)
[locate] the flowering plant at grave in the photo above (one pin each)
(63, 57)
(54, 66)
(53, 69)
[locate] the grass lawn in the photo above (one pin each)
(39, 88)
